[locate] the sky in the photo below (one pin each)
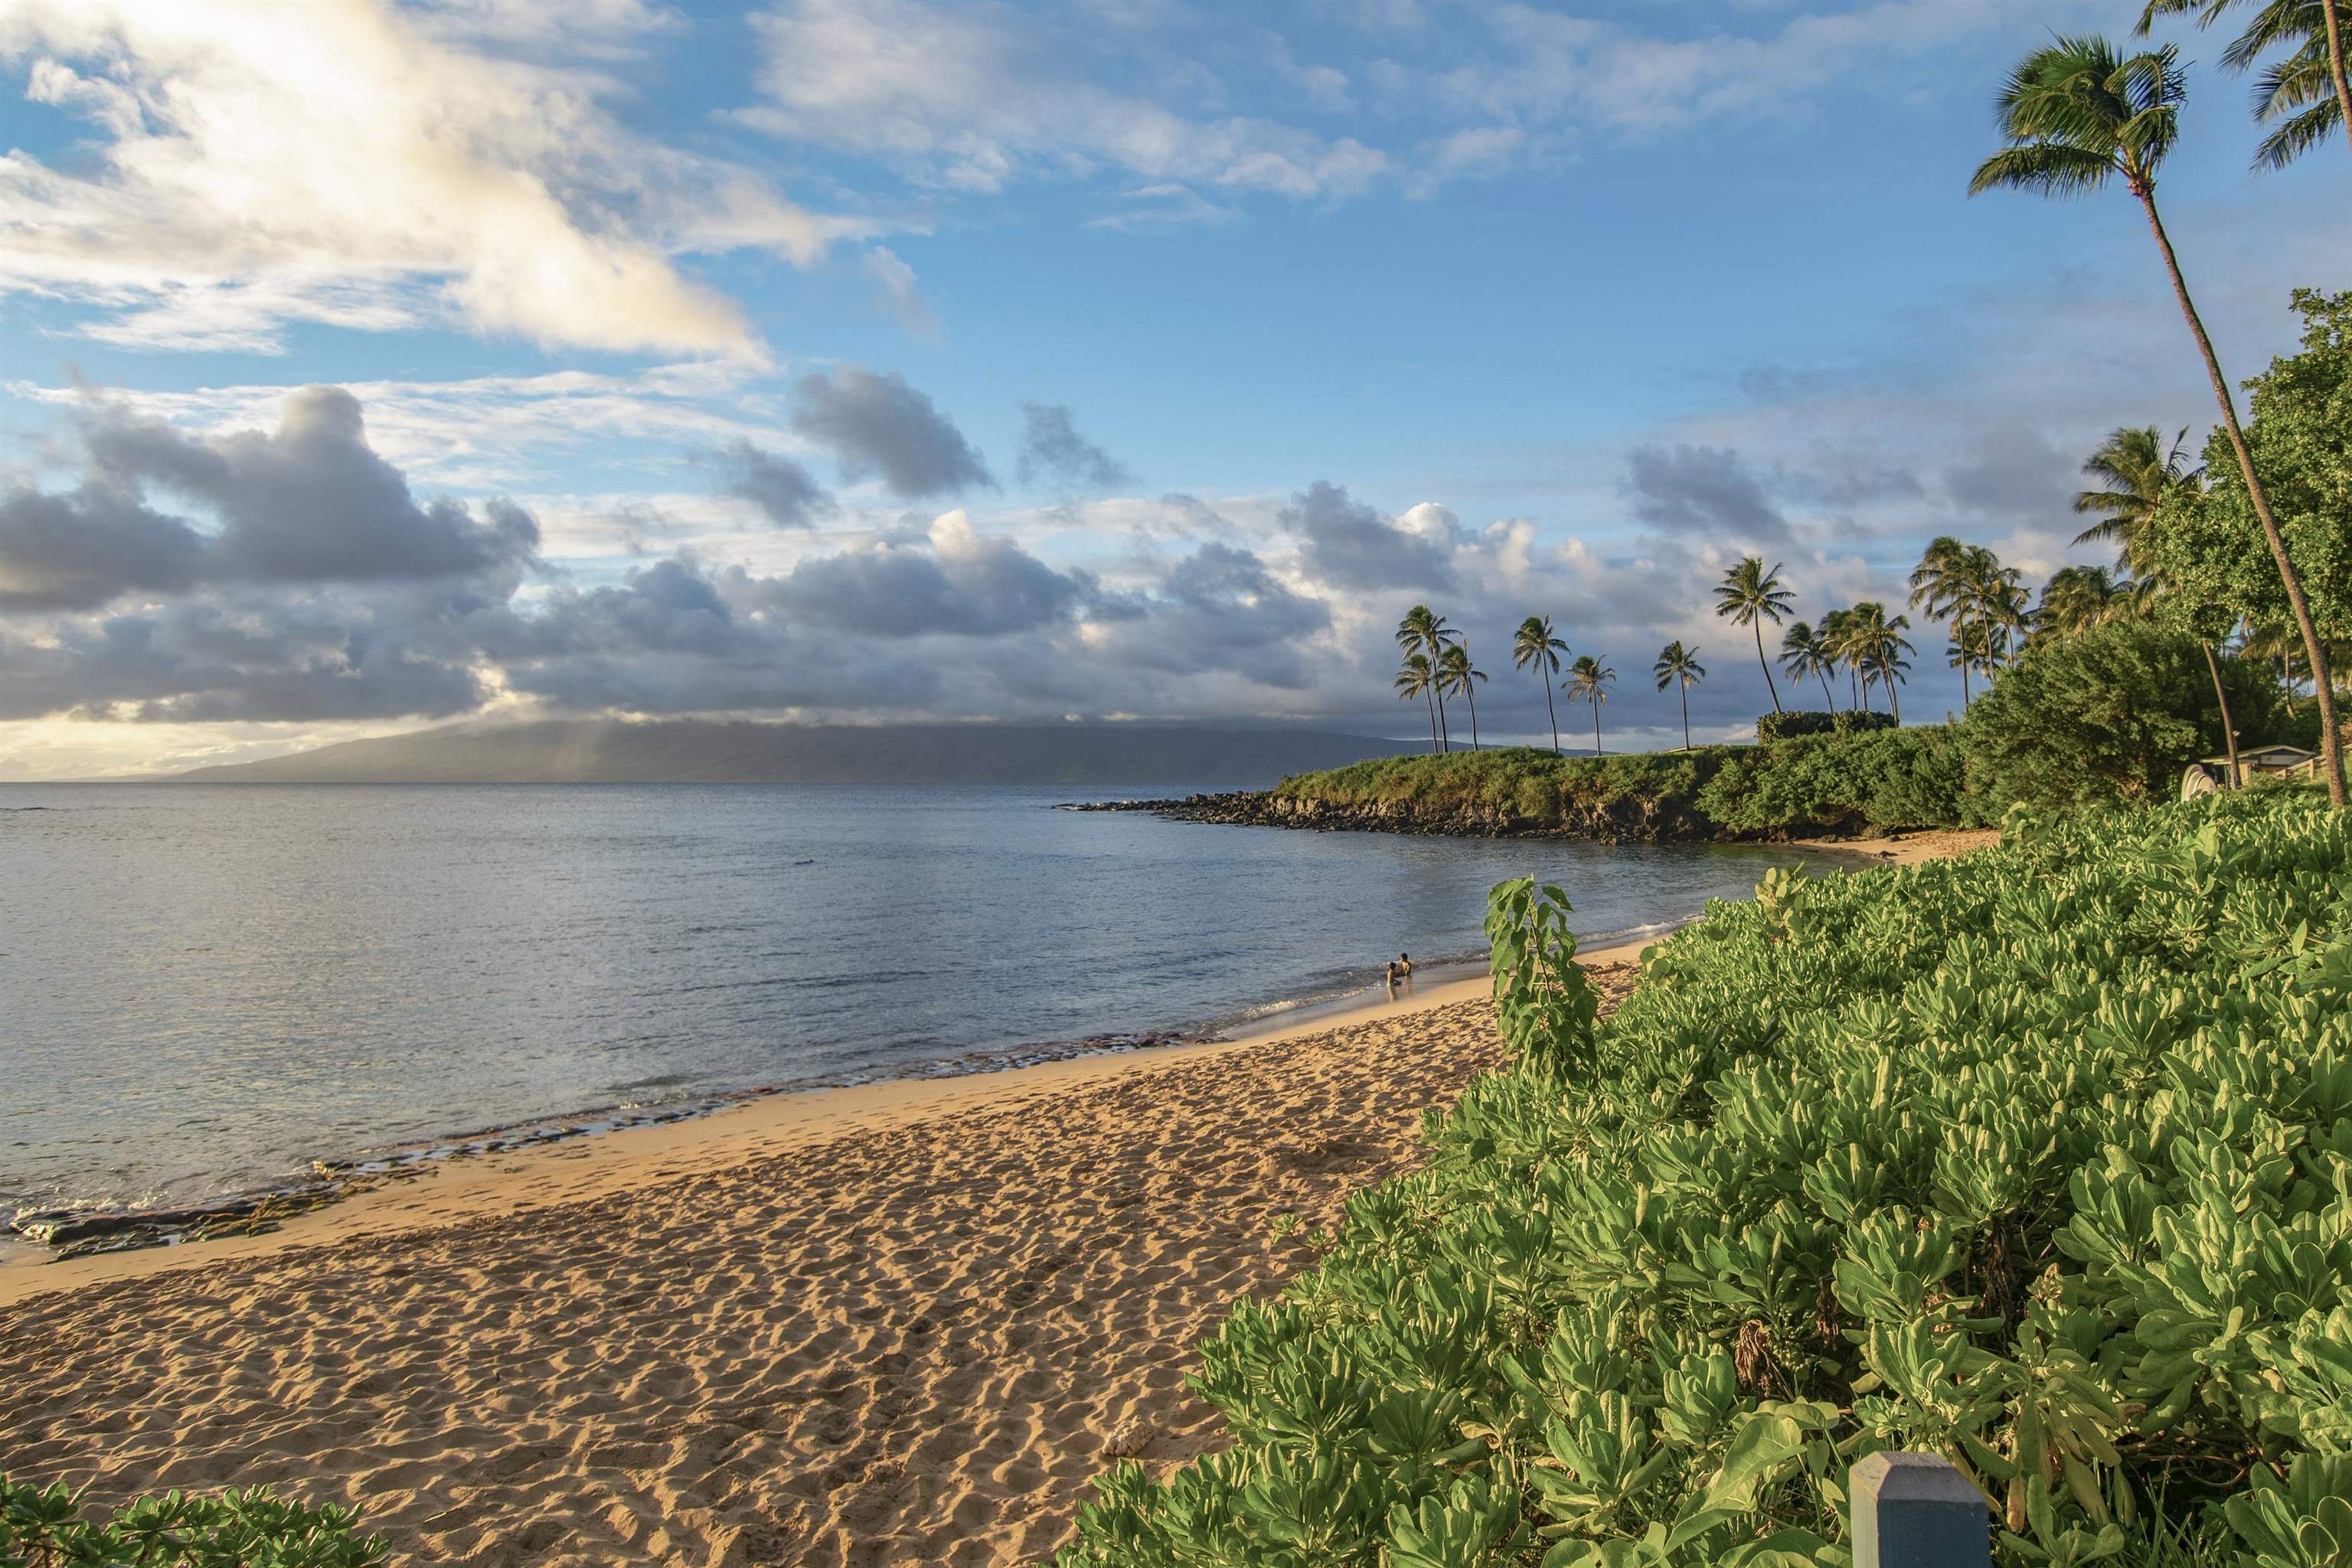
(369, 366)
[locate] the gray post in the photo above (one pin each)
(1915, 1511)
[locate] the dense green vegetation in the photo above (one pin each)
(2110, 715)
(2040, 1159)
(42, 1527)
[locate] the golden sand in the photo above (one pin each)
(897, 1325)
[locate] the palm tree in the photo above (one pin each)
(1456, 673)
(2076, 112)
(1588, 681)
(1960, 584)
(1535, 648)
(2312, 74)
(1676, 663)
(1417, 678)
(1877, 647)
(2077, 598)
(1750, 595)
(1971, 646)
(2137, 473)
(1424, 632)
(1995, 596)
(2136, 470)
(1803, 652)
(1832, 640)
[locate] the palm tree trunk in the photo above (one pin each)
(1828, 696)
(1444, 731)
(1549, 712)
(1964, 698)
(2229, 730)
(1596, 729)
(1432, 702)
(1685, 692)
(1894, 697)
(2333, 11)
(1471, 692)
(2331, 744)
(1757, 622)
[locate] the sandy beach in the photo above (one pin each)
(904, 1323)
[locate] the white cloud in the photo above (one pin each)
(263, 162)
(973, 97)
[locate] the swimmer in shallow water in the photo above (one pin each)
(1404, 964)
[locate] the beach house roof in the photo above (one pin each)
(2265, 757)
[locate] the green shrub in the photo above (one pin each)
(2040, 1159)
(42, 1527)
(1860, 721)
(1834, 783)
(2111, 716)
(1788, 726)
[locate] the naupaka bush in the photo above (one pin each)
(2040, 1159)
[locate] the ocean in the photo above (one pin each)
(204, 988)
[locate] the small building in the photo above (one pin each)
(2253, 763)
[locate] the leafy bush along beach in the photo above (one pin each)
(2040, 1159)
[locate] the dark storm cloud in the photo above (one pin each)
(308, 503)
(788, 493)
(1348, 545)
(1704, 490)
(1052, 449)
(875, 424)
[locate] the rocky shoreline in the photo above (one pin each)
(1627, 819)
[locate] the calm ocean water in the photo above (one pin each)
(203, 987)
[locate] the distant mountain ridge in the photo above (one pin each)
(689, 751)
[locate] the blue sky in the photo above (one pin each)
(884, 359)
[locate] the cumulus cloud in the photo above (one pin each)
(258, 164)
(1701, 492)
(1348, 544)
(307, 502)
(1052, 449)
(957, 582)
(877, 426)
(786, 493)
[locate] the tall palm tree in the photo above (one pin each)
(1961, 583)
(1996, 597)
(1750, 595)
(2312, 74)
(1424, 631)
(1876, 645)
(1535, 648)
(1971, 646)
(1676, 663)
(2076, 113)
(1588, 681)
(1418, 678)
(1456, 673)
(1803, 652)
(1832, 637)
